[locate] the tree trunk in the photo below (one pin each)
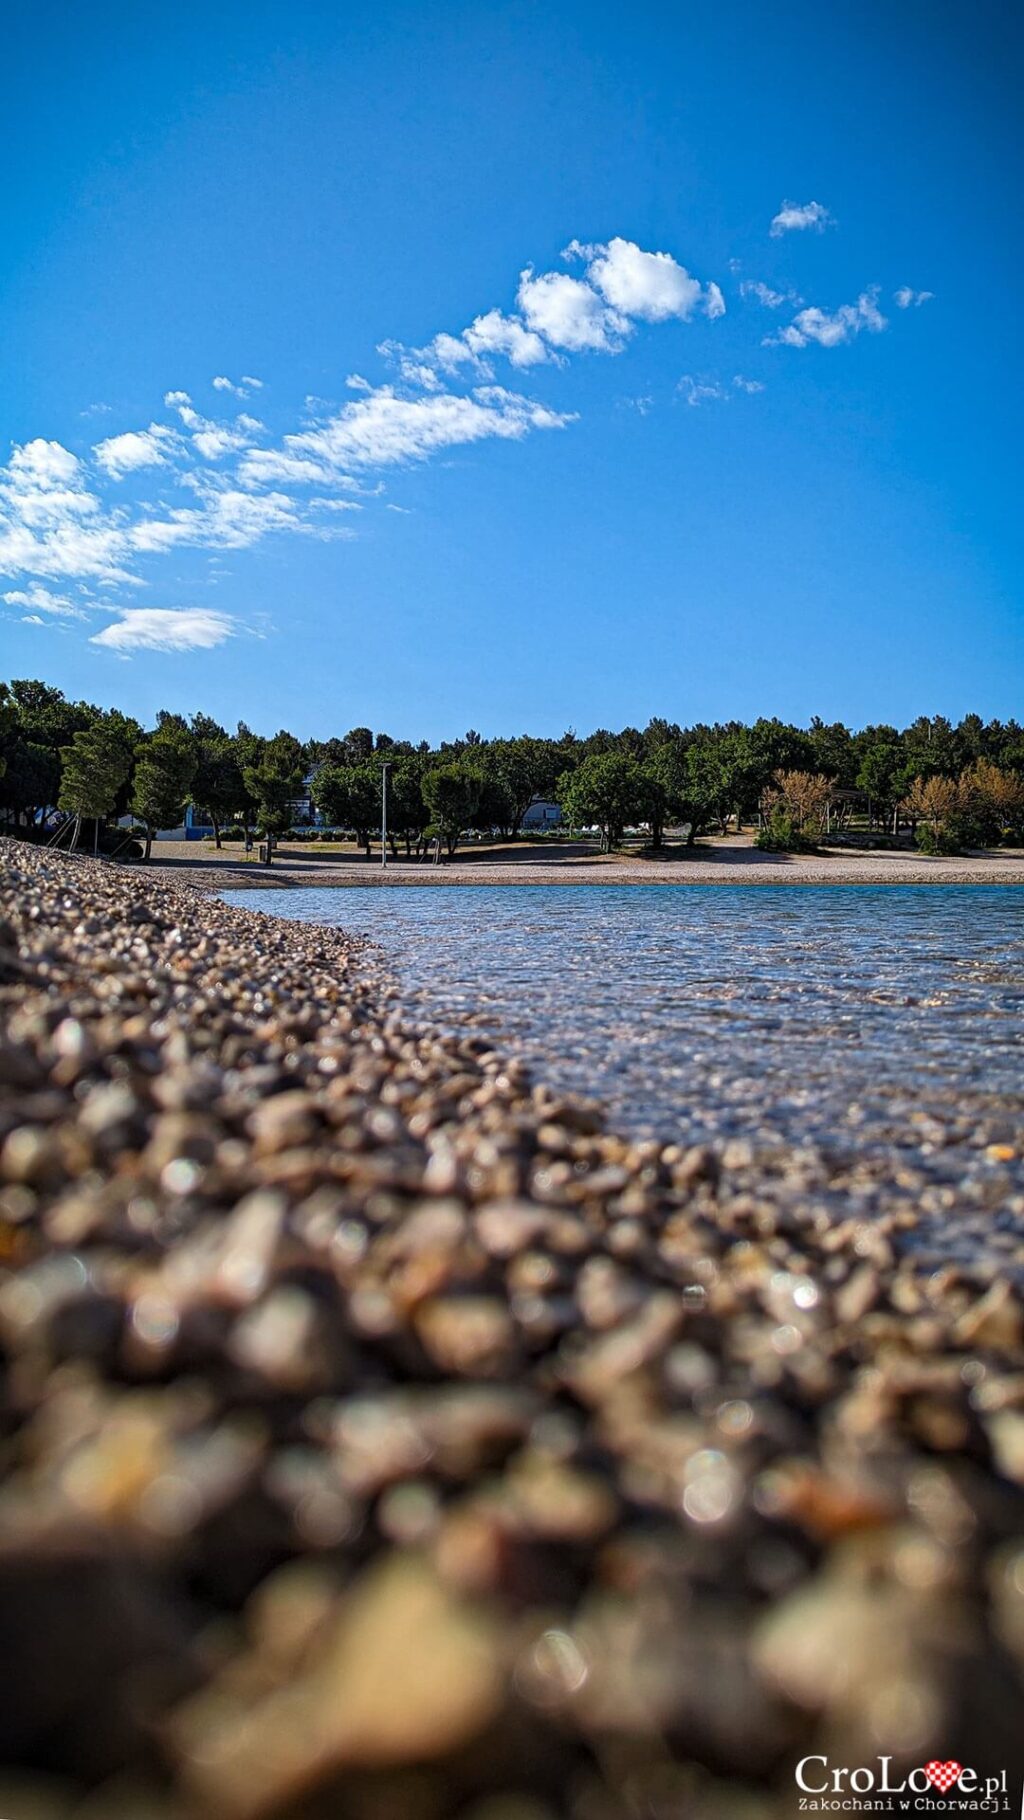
(216, 832)
(149, 844)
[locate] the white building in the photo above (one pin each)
(541, 814)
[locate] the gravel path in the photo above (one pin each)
(733, 862)
(382, 1437)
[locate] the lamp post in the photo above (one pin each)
(384, 814)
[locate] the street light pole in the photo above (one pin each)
(384, 814)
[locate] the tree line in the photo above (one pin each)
(951, 785)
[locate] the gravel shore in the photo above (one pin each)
(385, 1439)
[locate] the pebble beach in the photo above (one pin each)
(387, 1438)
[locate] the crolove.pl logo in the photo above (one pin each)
(941, 1785)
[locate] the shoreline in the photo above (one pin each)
(727, 862)
(338, 1348)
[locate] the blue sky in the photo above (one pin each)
(477, 456)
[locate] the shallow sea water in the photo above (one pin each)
(787, 1013)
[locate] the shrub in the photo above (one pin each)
(795, 810)
(781, 834)
(939, 841)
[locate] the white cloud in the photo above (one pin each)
(798, 215)
(213, 441)
(44, 465)
(831, 330)
(418, 366)
(560, 315)
(772, 300)
(240, 388)
(494, 333)
(165, 629)
(650, 286)
(123, 454)
(260, 467)
(569, 314)
(700, 391)
(906, 299)
(42, 601)
(384, 428)
(50, 523)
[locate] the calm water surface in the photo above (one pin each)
(787, 1013)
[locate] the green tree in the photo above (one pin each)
(29, 777)
(407, 811)
(722, 775)
(272, 783)
(165, 767)
(882, 775)
(608, 789)
(668, 769)
(833, 752)
(217, 788)
(95, 769)
(452, 794)
(350, 797)
(772, 746)
(523, 768)
(46, 718)
(358, 744)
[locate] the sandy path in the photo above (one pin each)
(714, 863)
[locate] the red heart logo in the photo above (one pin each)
(943, 1775)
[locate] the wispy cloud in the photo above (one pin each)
(165, 629)
(384, 428)
(701, 391)
(704, 390)
(794, 216)
(906, 299)
(240, 388)
(40, 601)
(831, 330)
(764, 294)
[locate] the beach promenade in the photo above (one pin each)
(734, 861)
